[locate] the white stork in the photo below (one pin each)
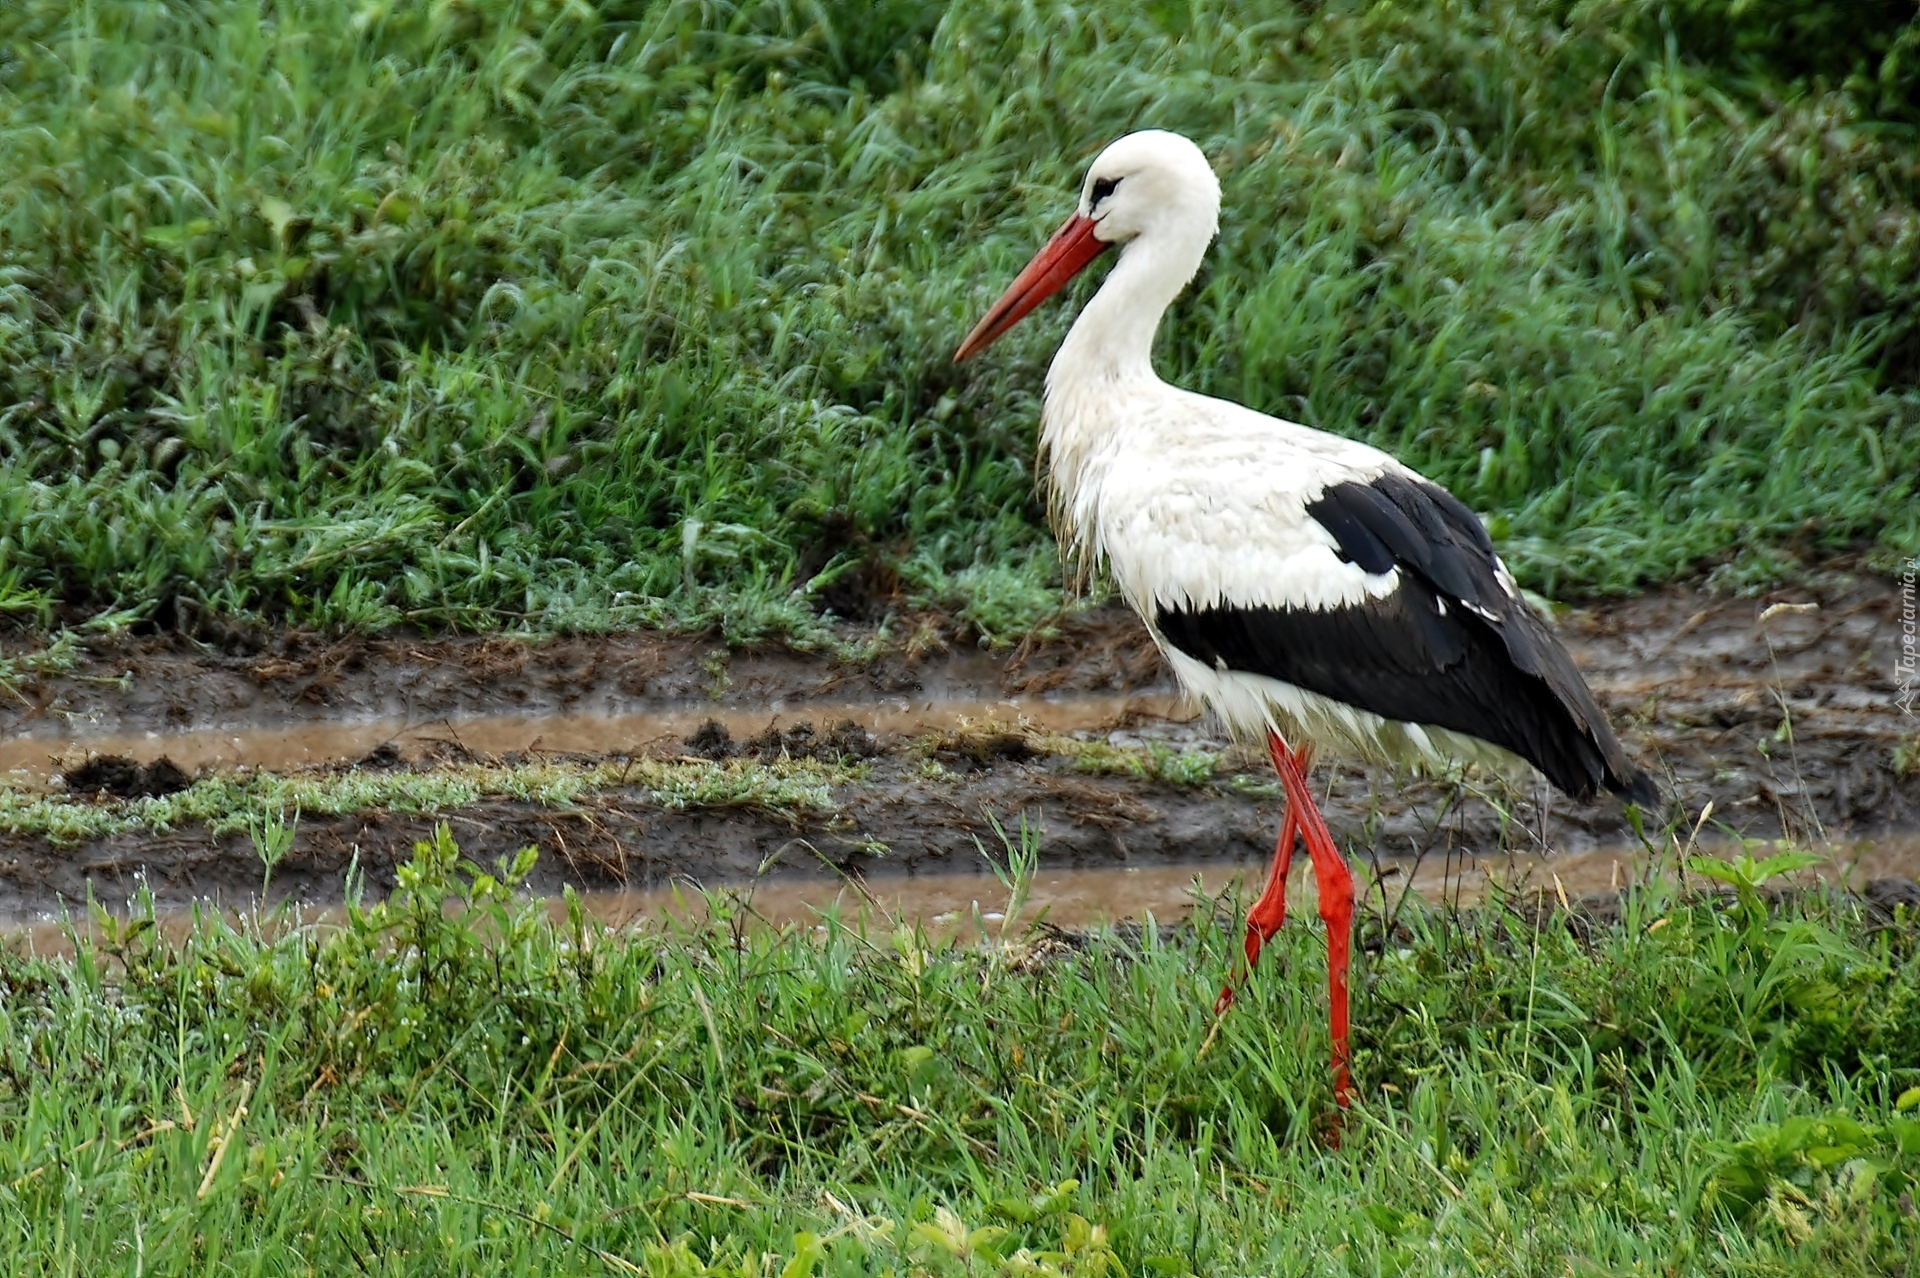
(1307, 589)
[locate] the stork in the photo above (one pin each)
(1309, 590)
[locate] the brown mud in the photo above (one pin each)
(1781, 711)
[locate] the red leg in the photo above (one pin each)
(1270, 911)
(1336, 905)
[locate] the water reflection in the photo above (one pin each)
(298, 745)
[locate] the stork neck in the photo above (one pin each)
(1112, 340)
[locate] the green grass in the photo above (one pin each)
(452, 1082)
(227, 802)
(990, 738)
(580, 313)
(232, 801)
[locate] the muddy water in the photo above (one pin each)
(296, 745)
(1850, 864)
(1078, 898)
(947, 904)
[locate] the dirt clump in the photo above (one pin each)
(119, 777)
(711, 740)
(385, 757)
(982, 749)
(1886, 898)
(844, 742)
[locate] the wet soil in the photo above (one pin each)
(1781, 711)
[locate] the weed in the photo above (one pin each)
(1152, 761)
(1747, 876)
(272, 836)
(1016, 873)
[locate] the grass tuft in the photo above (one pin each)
(227, 803)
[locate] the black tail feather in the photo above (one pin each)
(1640, 788)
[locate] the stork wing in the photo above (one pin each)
(1448, 643)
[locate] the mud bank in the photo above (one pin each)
(1779, 711)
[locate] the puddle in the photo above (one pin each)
(284, 747)
(1081, 898)
(1851, 863)
(943, 903)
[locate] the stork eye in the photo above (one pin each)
(1102, 188)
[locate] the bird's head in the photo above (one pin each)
(1151, 183)
(1149, 188)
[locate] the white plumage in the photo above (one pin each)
(1191, 501)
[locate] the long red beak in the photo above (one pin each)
(1072, 247)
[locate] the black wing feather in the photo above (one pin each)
(1449, 647)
